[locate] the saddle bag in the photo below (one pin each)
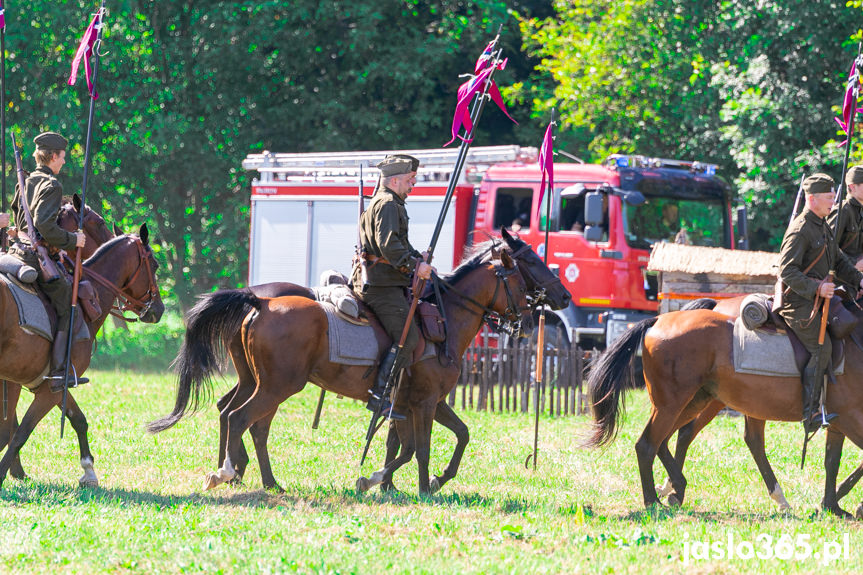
(431, 322)
(89, 302)
(840, 321)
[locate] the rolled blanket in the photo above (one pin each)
(340, 296)
(17, 269)
(754, 311)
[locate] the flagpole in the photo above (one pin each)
(476, 111)
(855, 95)
(3, 237)
(87, 160)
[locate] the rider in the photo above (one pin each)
(390, 260)
(44, 196)
(808, 253)
(847, 222)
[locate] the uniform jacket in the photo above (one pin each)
(384, 234)
(805, 239)
(44, 195)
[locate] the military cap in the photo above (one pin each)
(396, 164)
(854, 175)
(50, 141)
(818, 184)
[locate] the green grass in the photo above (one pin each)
(580, 511)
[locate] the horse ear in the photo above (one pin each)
(76, 201)
(117, 230)
(506, 260)
(144, 234)
(506, 236)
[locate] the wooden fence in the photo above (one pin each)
(502, 379)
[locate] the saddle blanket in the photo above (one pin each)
(763, 352)
(32, 316)
(350, 344)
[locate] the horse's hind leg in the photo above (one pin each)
(42, 403)
(260, 431)
(236, 397)
(754, 437)
(445, 415)
(686, 435)
(848, 484)
(657, 430)
(832, 458)
(8, 427)
(79, 424)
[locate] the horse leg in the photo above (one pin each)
(393, 444)
(79, 424)
(754, 437)
(423, 419)
(236, 397)
(404, 437)
(848, 484)
(685, 436)
(446, 416)
(42, 403)
(676, 482)
(832, 457)
(658, 429)
(8, 427)
(260, 431)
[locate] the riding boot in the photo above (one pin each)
(379, 394)
(58, 363)
(812, 384)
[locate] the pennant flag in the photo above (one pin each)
(850, 103)
(546, 162)
(484, 58)
(85, 51)
(2, 16)
(474, 86)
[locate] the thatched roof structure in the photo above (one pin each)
(668, 257)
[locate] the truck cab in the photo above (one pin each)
(603, 221)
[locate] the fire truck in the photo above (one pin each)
(602, 222)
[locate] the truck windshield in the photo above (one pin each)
(698, 222)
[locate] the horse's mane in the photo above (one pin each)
(100, 252)
(474, 257)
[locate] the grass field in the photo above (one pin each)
(580, 511)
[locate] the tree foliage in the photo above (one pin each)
(751, 86)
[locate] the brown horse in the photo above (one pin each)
(122, 268)
(544, 288)
(688, 364)
(268, 375)
(96, 233)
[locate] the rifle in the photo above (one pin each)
(797, 200)
(49, 270)
(361, 253)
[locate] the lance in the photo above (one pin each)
(476, 111)
(3, 237)
(855, 78)
(87, 159)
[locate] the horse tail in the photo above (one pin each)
(210, 325)
(609, 378)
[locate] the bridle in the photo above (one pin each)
(510, 321)
(141, 306)
(538, 295)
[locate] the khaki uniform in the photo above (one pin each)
(847, 222)
(384, 237)
(44, 196)
(806, 238)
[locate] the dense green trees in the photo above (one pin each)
(751, 86)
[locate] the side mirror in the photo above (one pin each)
(593, 233)
(593, 215)
(633, 198)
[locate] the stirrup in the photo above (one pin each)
(387, 409)
(72, 381)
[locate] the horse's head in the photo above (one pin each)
(95, 229)
(511, 305)
(127, 263)
(544, 286)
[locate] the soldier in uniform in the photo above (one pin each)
(44, 196)
(390, 262)
(808, 253)
(847, 223)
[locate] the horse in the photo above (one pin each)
(681, 384)
(96, 233)
(268, 375)
(123, 268)
(543, 285)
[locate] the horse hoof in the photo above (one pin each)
(673, 501)
(858, 513)
(211, 480)
(434, 485)
(363, 485)
(88, 482)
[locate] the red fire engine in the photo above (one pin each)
(603, 221)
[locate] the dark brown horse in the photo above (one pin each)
(123, 268)
(688, 364)
(96, 233)
(544, 287)
(285, 345)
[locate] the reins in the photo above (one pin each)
(129, 303)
